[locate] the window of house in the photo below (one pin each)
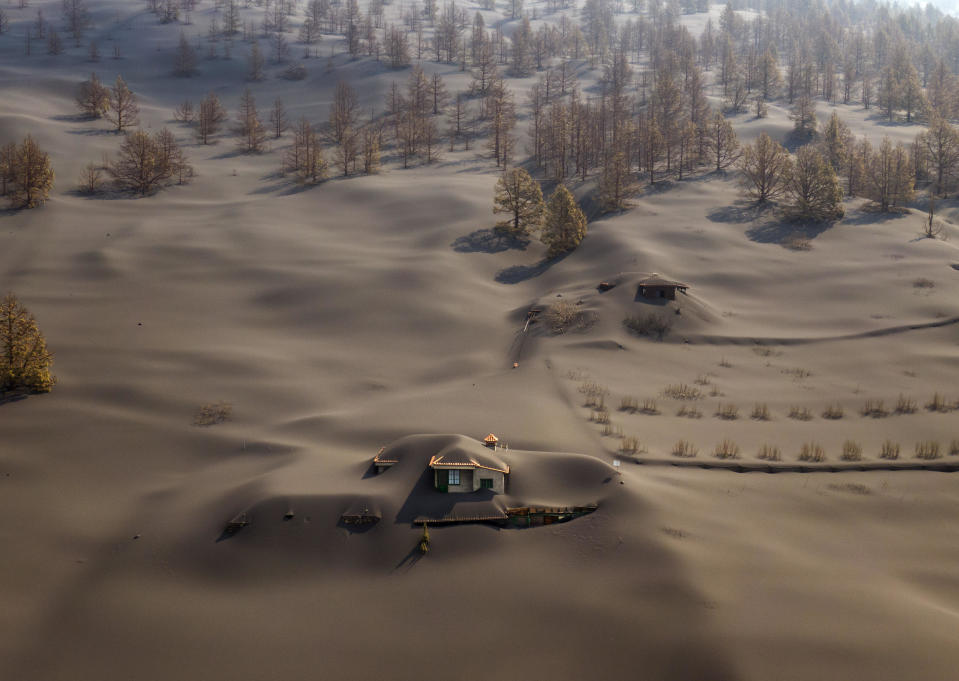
(454, 478)
(486, 483)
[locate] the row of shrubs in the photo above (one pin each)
(808, 452)
(760, 411)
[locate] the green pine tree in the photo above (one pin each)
(24, 358)
(565, 224)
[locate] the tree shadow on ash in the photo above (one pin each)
(13, 396)
(488, 241)
(520, 273)
(742, 212)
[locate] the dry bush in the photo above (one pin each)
(924, 283)
(797, 242)
(689, 412)
(800, 413)
(92, 179)
(681, 391)
(213, 413)
(889, 450)
(684, 449)
(630, 445)
(594, 392)
(653, 324)
(629, 403)
(798, 373)
(600, 415)
(851, 451)
(769, 453)
(954, 448)
(763, 351)
(906, 405)
(649, 407)
(703, 379)
(927, 450)
(727, 449)
(725, 363)
(875, 409)
(294, 72)
(714, 391)
(563, 316)
(810, 451)
(939, 403)
(760, 412)
(611, 430)
(727, 412)
(834, 412)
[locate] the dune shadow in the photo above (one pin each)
(488, 241)
(93, 132)
(520, 273)
(741, 212)
(73, 118)
(783, 232)
(426, 500)
(872, 214)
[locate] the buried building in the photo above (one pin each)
(468, 466)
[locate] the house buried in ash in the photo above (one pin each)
(463, 465)
(657, 287)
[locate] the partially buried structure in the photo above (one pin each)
(468, 466)
(657, 287)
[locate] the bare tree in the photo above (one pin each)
(184, 62)
(210, 118)
(76, 18)
(146, 162)
(305, 157)
(93, 97)
(278, 121)
(123, 111)
(766, 166)
(249, 130)
(812, 188)
(31, 175)
(721, 141)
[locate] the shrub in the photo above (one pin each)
(833, 412)
(563, 316)
(727, 412)
(905, 405)
(213, 413)
(649, 407)
(681, 391)
(703, 379)
(684, 449)
(927, 450)
(725, 363)
(889, 450)
(800, 413)
(954, 448)
(594, 392)
(922, 282)
(425, 539)
(875, 409)
(611, 430)
(769, 453)
(600, 415)
(653, 324)
(629, 403)
(760, 412)
(630, 445)
(851, 451)
(810, 451)
(727, 449)
(689, 412)
(939, 403)
(798, 373)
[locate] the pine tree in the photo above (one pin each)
(766, 166)
(31, 176)
(124, 111)
(24, 359)
(812, 188)
(836, 139)
(564, 225)
(518, 195)
(278, 122)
